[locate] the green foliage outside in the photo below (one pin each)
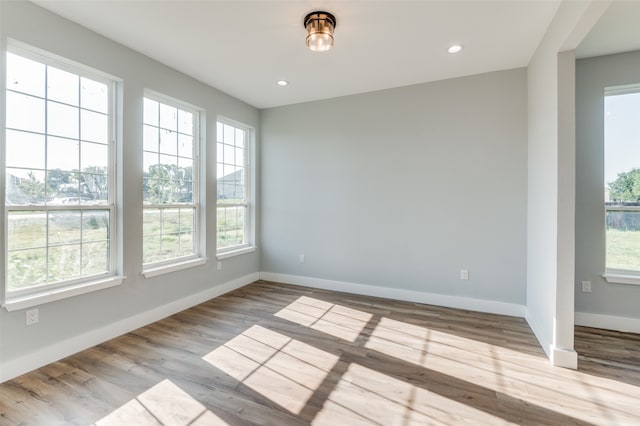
(623, 249)
(168, 234)
(79, 246)
(626, 187)
(230, 225)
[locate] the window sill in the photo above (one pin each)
(622, 277)
(46, 296)
(166, 269)
(236, 252)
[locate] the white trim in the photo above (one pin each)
(51, 295)
(609, 322)
(618, 278)
(166, 269)
(17, 366)
(232, 253)
(458, 302)
(566, 358)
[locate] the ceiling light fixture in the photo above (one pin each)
(320, 26)
(455, 48)
(282, 82)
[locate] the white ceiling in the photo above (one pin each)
(618, 30)
(243, 47)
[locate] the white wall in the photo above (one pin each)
(402, 188)
(69, 324)
(618, 302)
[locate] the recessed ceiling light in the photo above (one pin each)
(282, 82)
(454, 48)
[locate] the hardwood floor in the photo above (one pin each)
(275, 354)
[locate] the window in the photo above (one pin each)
(234, 211)
(60, 189)
(622, 182)
(171, 202)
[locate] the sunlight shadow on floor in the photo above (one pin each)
(336, 320)
(163, 404)
(282, 369)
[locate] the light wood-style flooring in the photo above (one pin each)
(275, 354)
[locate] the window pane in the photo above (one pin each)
(25, 75)
(228, 156)
(95, 157)
(151, 111)
(168, 142)
(151, 222)
(229, 134)
(230, 226)
(185, 122)
(25, 112)
(622, 181)
(219, 132)
(95, 225)
(151, 249)
(185, 244)
(94, 95)
(52, 168)
(185, 168)
(62, 86)
(240, 138)
(185, 146)
(240, 157)
(186, 219)
(62, 120)
(168, 117)
(168, 179)
(25, 187)
(95, 258)
(25, 150)
(64, 262)
(170, 164)
(63, 187)
(170, 221)
(150, 138)
(623, 240)
(26, 230)
(26, 268)
(94, 189)
(64, 227)
(63, 154)
(94, 127)
(151, 164)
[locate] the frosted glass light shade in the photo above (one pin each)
(320, 26)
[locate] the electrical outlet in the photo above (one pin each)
(301, 258)
(586, 286)
(219, 265)
(33, 316)
(464, 274)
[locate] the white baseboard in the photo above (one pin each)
(15, 367)
(471, 304)
(609, 322)
(566, 358)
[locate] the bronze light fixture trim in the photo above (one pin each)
(319, 26)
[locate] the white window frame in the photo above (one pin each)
(613, 275)
(249, 204)
(199, 256)
(44, 293)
